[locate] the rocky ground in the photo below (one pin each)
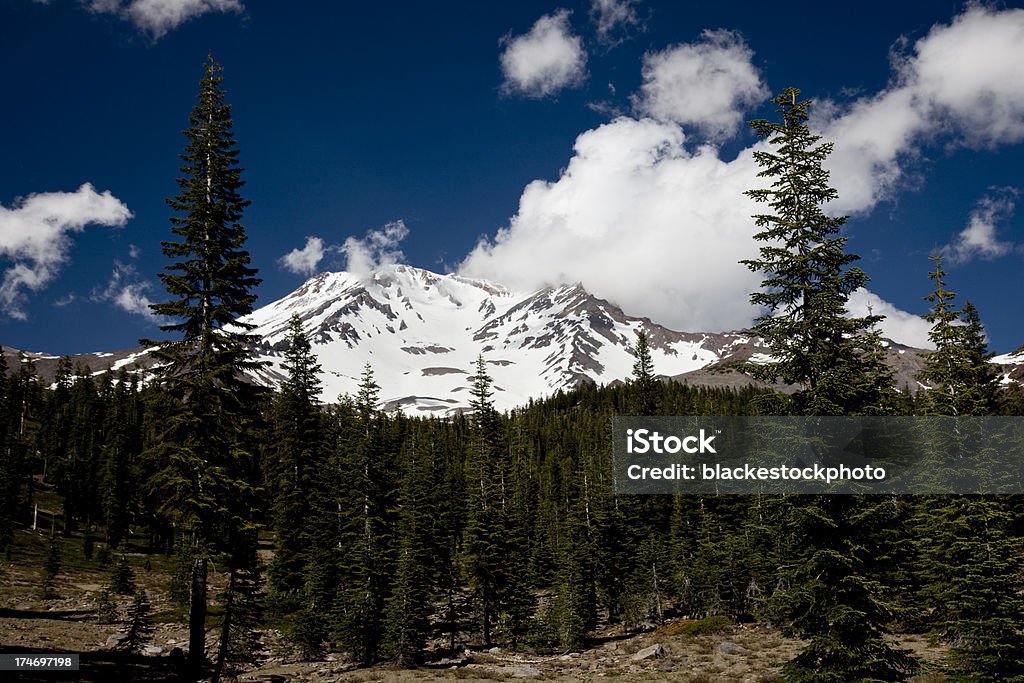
(679, 650)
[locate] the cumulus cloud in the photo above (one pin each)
(126, 291)
(545, 60)
(705, 85)
(304, 261)
(960, 83)
(899, 325)
(157, 17)
(640, 220)
(35, 236)
(378, 248)
(612, 17)
(658, 227)
(979, 239)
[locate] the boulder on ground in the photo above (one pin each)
(732, 649)
(655, 650)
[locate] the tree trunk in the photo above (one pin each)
(225, 631)
(486, 591)
(197, 615)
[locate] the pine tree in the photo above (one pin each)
(106, 608)
(239, 639)
(295, 456)
(366, 519)
(139, 629)
(834, 605)
(408, 608)
(836, 361)
(25, 406)
(205, 479)
(10, 474)
(574, 606)
(122, 579)
(644, 386)
(485, 536)
(118, 485)
(816, 345)
(963, 382)
(969, 546)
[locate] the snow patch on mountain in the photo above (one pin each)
(421, 333)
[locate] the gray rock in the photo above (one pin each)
(152, 650)
(732, 649)
(655, 650)
(114, 641)
(521, 671)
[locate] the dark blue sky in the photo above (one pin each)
(352, 115)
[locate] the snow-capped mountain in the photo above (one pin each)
(421, 333)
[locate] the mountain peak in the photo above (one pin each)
(421, 332)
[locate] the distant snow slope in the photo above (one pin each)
(421, 333)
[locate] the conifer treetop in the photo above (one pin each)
(209, 280)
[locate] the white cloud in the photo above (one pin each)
(961, 83)
(640, 220)
(611, 16)
(157, 17)
(378, 248)
(35, 235)
(979, 238)
(899, 325)
(545, 60)
(705, 85)
(65, 300)
(304, 261)
(658, 229)
(128, 293)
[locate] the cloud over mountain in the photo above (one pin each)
(648, 216)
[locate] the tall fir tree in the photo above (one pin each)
(835, 361)
(367, 526)
(962, 380)
(206, 478)
(408, 608)
(10, 474)
(485, 535)
(295, 455)
(970, 548)
(644, 386)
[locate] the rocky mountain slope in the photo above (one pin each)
(421, 333)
